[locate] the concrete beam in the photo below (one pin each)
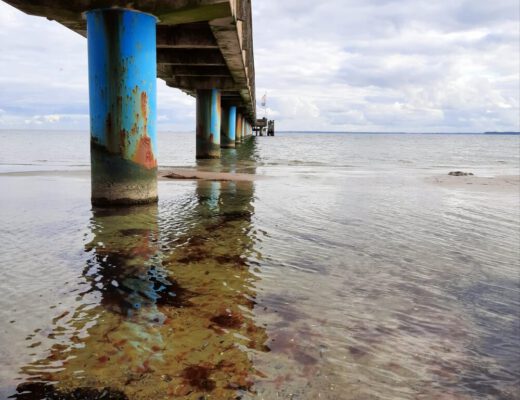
(187, 36)
(201, 83)
(196, 14)
(168, 11)
(190, 57)
(195, 70)
(234, 37)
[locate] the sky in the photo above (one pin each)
(335, 65)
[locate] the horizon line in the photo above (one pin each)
(299, 131)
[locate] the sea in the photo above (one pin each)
(342, 271)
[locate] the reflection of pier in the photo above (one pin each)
(203, 47)
(165, 310)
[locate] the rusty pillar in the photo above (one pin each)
(208, 123)
(238, 137)
(122, 90)
(229, 128)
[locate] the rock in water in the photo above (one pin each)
(460, 173)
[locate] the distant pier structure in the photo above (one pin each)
(264, 127)
(203, 47)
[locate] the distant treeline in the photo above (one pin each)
(501, 133)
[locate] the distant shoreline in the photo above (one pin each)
(405, 133)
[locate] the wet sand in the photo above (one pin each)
(163, 174)
(501, 183)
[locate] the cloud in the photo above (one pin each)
(44, 78)
(385, 65)
(375, 65)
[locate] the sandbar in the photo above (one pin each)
(194, 174)
(499, 183)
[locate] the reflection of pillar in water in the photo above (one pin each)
(216, 254)
(154, 324)
(115, 332)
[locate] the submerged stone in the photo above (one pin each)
(41, 390)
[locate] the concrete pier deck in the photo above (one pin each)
(201, 44)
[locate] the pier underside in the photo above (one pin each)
(201, 44)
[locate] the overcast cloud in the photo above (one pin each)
(342, 65)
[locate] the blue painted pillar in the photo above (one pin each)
(208, 123)
(229, 132)
(122, 86)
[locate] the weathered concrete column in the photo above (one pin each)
(208, 123)
(229, 128)
(238, 134)
(122, 86)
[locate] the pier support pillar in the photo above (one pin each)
(238, 128)
(122, 91)
(208, 123)
(229, 128)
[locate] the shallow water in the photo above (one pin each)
(341, 275)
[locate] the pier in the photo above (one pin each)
(203, 47)
(263, 127)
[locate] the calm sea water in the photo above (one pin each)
(341, 274)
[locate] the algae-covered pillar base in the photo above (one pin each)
(208, 123)
(122, 86)
(229, 128)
